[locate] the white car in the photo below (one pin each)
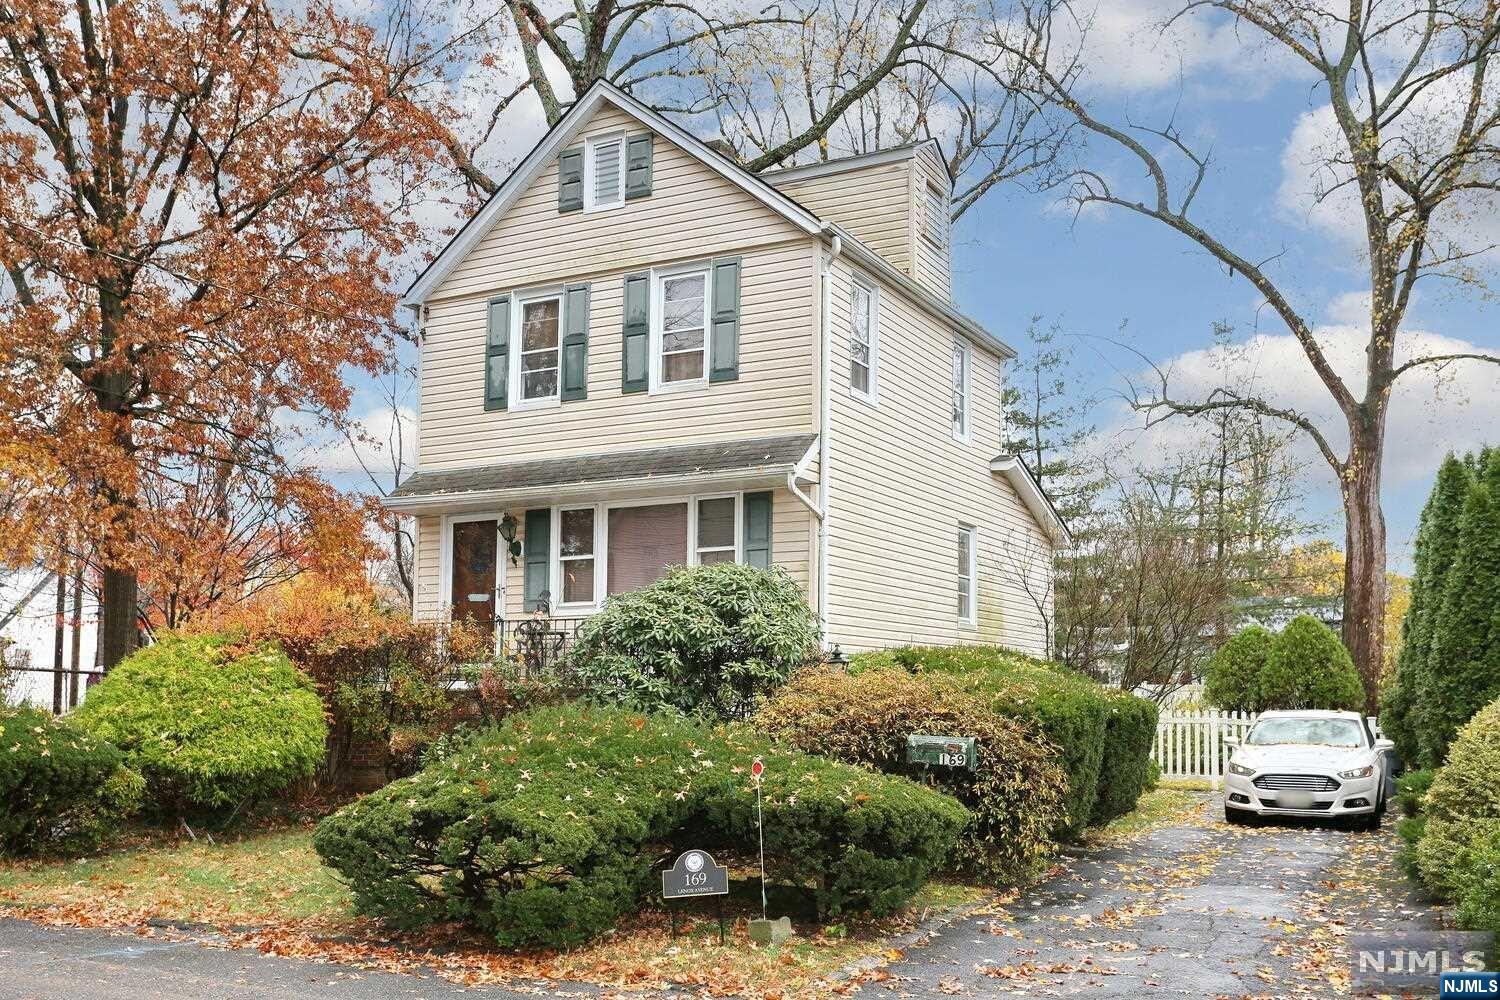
(1311, 764)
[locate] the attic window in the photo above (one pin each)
(935, 215)
(604, 173)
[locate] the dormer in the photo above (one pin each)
(895, 201)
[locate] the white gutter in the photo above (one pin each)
(799, 471)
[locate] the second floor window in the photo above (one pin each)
(862, 340)
(961, 365)
(541, 323)
(682, 337)
(604, 173)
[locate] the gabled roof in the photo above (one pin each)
(556, 139)
(1019, 475)
(566, 130)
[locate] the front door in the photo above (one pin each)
(475, 552)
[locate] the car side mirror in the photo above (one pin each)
(1231, 741)
(1384, 745)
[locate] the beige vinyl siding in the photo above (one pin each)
(427, 531)
(931, 264)
(900, 486)
(691, 211)
(773, 394)
(791, 547)
(873, 203)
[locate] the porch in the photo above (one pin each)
(506, 550)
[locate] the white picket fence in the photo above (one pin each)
(1191, 744)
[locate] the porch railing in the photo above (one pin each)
(539, 643)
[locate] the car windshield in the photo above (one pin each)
(1319, 732)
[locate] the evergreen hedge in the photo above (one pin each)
(1232, 679)
(210, 722)
(1071, 712)
(1015, 796)
(1463, 669)
(62, 790)
(1309, 668)
(547, 829)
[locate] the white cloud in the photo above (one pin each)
(1432, 411)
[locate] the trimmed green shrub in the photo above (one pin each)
(1309, 668)
(209, 722)
(1232, 678)
(1411, 789)
(1015, 795)
(546, 830)
(1459, 847)
(62, 790)
(702, 639)
(1126, 769)
(1071, 712)
(1463, 669)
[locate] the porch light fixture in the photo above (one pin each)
(508, 534)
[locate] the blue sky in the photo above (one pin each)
(1019, 254)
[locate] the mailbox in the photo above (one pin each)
(942, 751)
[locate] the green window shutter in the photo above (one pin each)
(570, 180)
(497, 354)
(724, 338)
(635, 355)
(575, 343)
(756, 541)
(538, 542)
(638, 166)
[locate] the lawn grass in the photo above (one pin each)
(262, 877)
(270, 891)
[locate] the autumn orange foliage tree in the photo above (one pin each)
(199, 204)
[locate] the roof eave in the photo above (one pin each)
(1034, 497)
(459, 501)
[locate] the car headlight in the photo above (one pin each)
(1240, 769)
(1358, 772)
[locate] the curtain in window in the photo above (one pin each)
(643, 542)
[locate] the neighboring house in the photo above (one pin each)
(638, 354)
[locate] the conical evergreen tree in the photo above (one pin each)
(1437, 541)
(1463, 669)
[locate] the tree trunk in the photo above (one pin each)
(1364, 560)
(117, 612)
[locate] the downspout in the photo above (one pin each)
(836, 247)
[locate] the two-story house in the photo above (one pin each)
(638, 354)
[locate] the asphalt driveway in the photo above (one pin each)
(1195, 908)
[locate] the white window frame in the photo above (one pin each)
(695, 553)
(601, 542)
(861, 283)
(445, 564)
(518, 303)
(963, 364)
(935, 224)
(590, 162)
(554, 570)
(659, 279)
(972, 618)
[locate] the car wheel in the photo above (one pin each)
(1236, 817)
(1370, 821)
